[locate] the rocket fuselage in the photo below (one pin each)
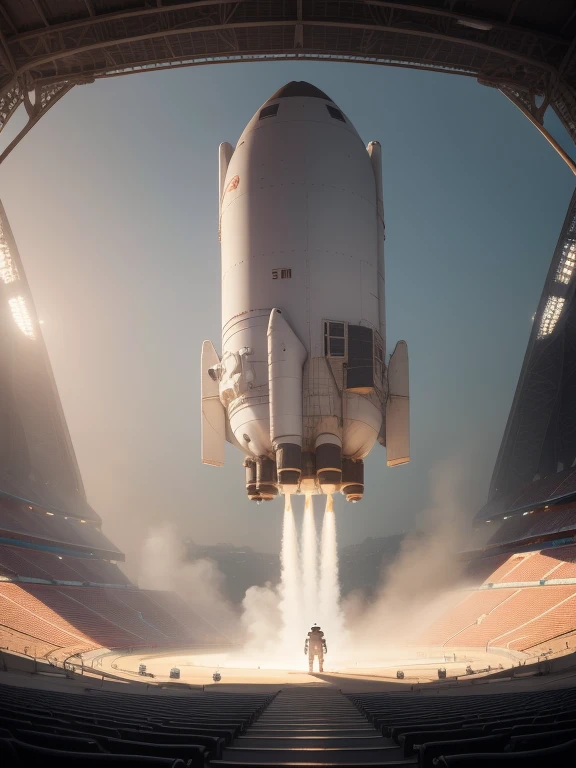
(302, 375)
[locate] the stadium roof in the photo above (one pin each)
(526, 47)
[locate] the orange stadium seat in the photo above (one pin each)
(515, 617)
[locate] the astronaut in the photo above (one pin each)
(315, 645)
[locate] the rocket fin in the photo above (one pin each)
(398, 408)
(213, 413)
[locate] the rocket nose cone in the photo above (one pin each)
(299, 88)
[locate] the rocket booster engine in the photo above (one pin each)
(302, 387)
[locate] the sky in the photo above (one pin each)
(112, 198)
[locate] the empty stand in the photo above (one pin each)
(540, 491)
(311, 726)
(477, 571)
(36, 525)
(36, 564)
(553, 563)
(537, 524)
(549, 624)
(518, 617)
(25, 614)
(467, 611)
(66, 616)
(531, 729)
(498, 617)
(40, 727)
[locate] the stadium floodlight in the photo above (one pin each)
(567, 263)
(551, 315)
(8, 270)
(22, 316)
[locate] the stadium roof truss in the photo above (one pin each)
(523, 47)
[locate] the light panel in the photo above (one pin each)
(551, 315)
(8, 270)
(567, 263)
(22, 316)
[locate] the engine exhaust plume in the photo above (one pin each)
(330, 613)
(309, 563)
(290, 583)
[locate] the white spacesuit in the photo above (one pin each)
(315, 645)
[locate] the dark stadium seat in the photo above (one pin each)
(123, 725)
(14, 722)
(539, 727)
(503, 715)
(531, 741)
(429, 751)
(395, 731)
(561, 756)
(8, 756)
(58, 741)
(192, 753)
(17, 754)
(409, 739)
(213, 744)
(94, 730)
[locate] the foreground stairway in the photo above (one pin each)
(312, 727)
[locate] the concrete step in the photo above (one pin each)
(315, 708)
(276, 764)
(306, 742)
(312, 705)
(305, 731)
(338, 755)
(326, 712)
(297, 706)
(309, 712)
(310, 723)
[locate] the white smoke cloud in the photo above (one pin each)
(420, 583)
(199, 582)
(261, 619)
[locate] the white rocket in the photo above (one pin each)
(302, 387)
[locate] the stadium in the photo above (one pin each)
(96, 670)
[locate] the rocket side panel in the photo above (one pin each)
(302, 172)
(342, 236)
(260, 216)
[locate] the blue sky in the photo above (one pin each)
(113, 202)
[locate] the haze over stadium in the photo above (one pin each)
(121, 557)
